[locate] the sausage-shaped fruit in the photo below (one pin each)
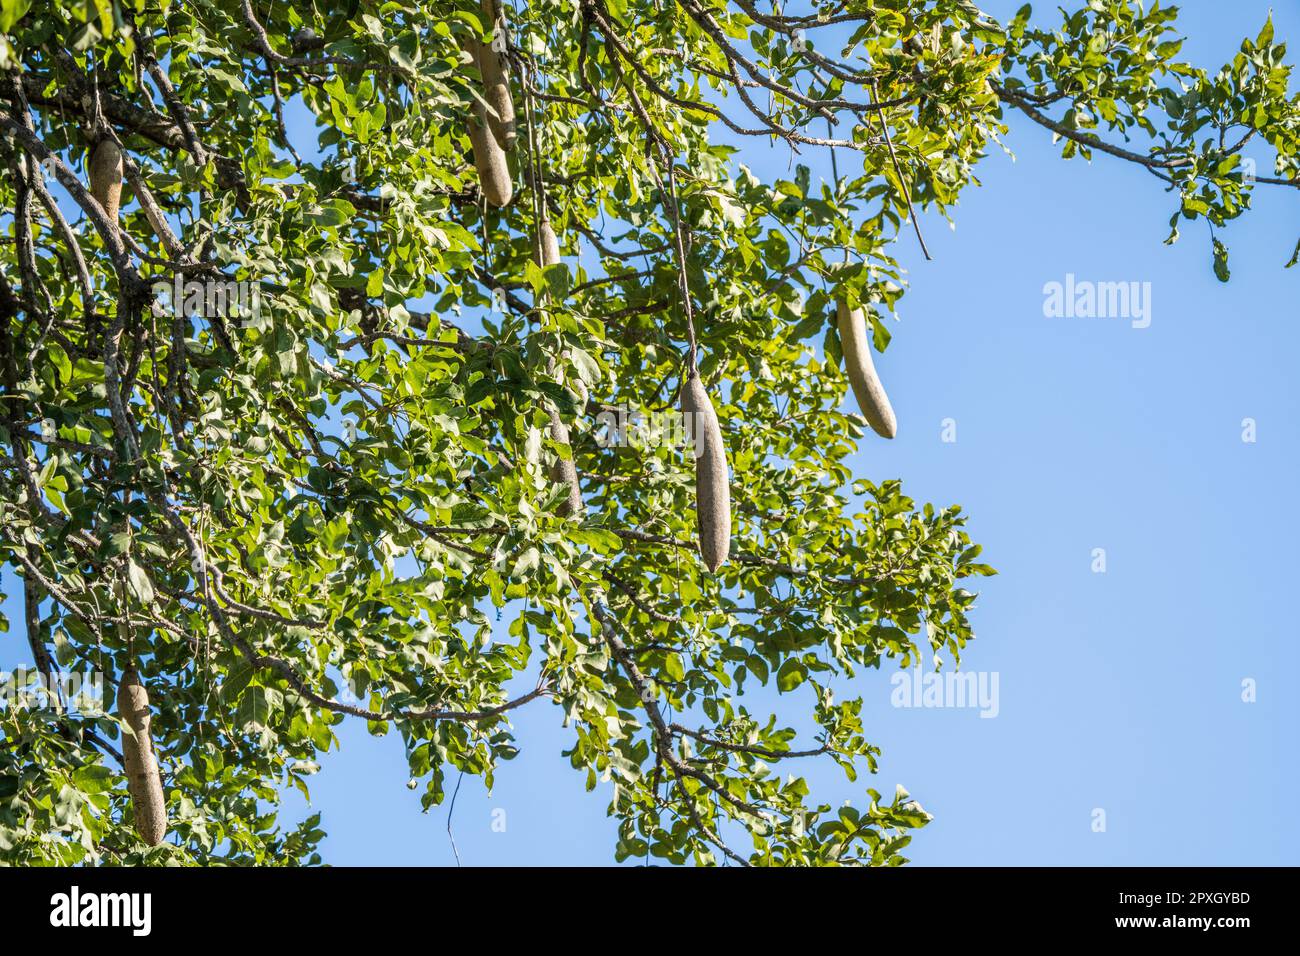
(489, 160)
(547, 251)
(564, 471)
(142, 778)
(548, 246)
(861, 370)
(712, 494)
(106, 177)
(496, 83)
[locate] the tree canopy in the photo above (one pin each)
(308, 492)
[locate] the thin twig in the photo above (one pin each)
(450, 810)
(902, 183)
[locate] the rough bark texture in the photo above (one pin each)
(106, 176)
(142, 778)
(712, 494)
(861, 370)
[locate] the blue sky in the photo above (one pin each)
(1119, 691)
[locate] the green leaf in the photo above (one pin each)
(139, 582)
(791, 675)
(11, 11)
(1221, 261)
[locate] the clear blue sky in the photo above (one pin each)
(1119, 691)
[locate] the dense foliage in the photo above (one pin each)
(315, 507)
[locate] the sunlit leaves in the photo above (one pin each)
(365, 464)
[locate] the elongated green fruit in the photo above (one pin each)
(489, 160)
(496, 83)
(565, 472)
(106, 176)
(861, 371)
(548, 246)
(142, 779)
(712, 494)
